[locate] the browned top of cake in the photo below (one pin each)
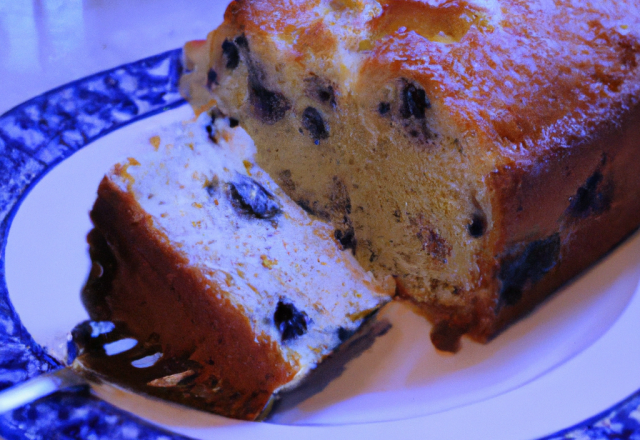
(522, 76)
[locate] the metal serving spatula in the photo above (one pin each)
(38, 387)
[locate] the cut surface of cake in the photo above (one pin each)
(232, 292)
(481, 152)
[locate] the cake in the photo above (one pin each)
(229, 291)
(482, 152)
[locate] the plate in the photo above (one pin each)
(576, 356)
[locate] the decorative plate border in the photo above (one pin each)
(37, 135)
(34, 137)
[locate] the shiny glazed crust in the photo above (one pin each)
(481, 152)
(240, 372)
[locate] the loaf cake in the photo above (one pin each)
(482, 152)
(232, 291)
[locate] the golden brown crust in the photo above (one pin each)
(554, 198)
(590, 220)
(500, 78)
(238, 371)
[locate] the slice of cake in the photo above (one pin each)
(483, 151)
(229, 291)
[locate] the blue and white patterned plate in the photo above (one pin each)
(44, 131)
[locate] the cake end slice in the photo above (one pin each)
(226, 291)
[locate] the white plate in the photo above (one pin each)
(574, 357)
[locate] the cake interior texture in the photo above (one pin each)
(232, 292)
(481, 152)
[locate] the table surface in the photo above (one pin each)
(47, 43)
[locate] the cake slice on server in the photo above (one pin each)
(232, 292)
(481, 151)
